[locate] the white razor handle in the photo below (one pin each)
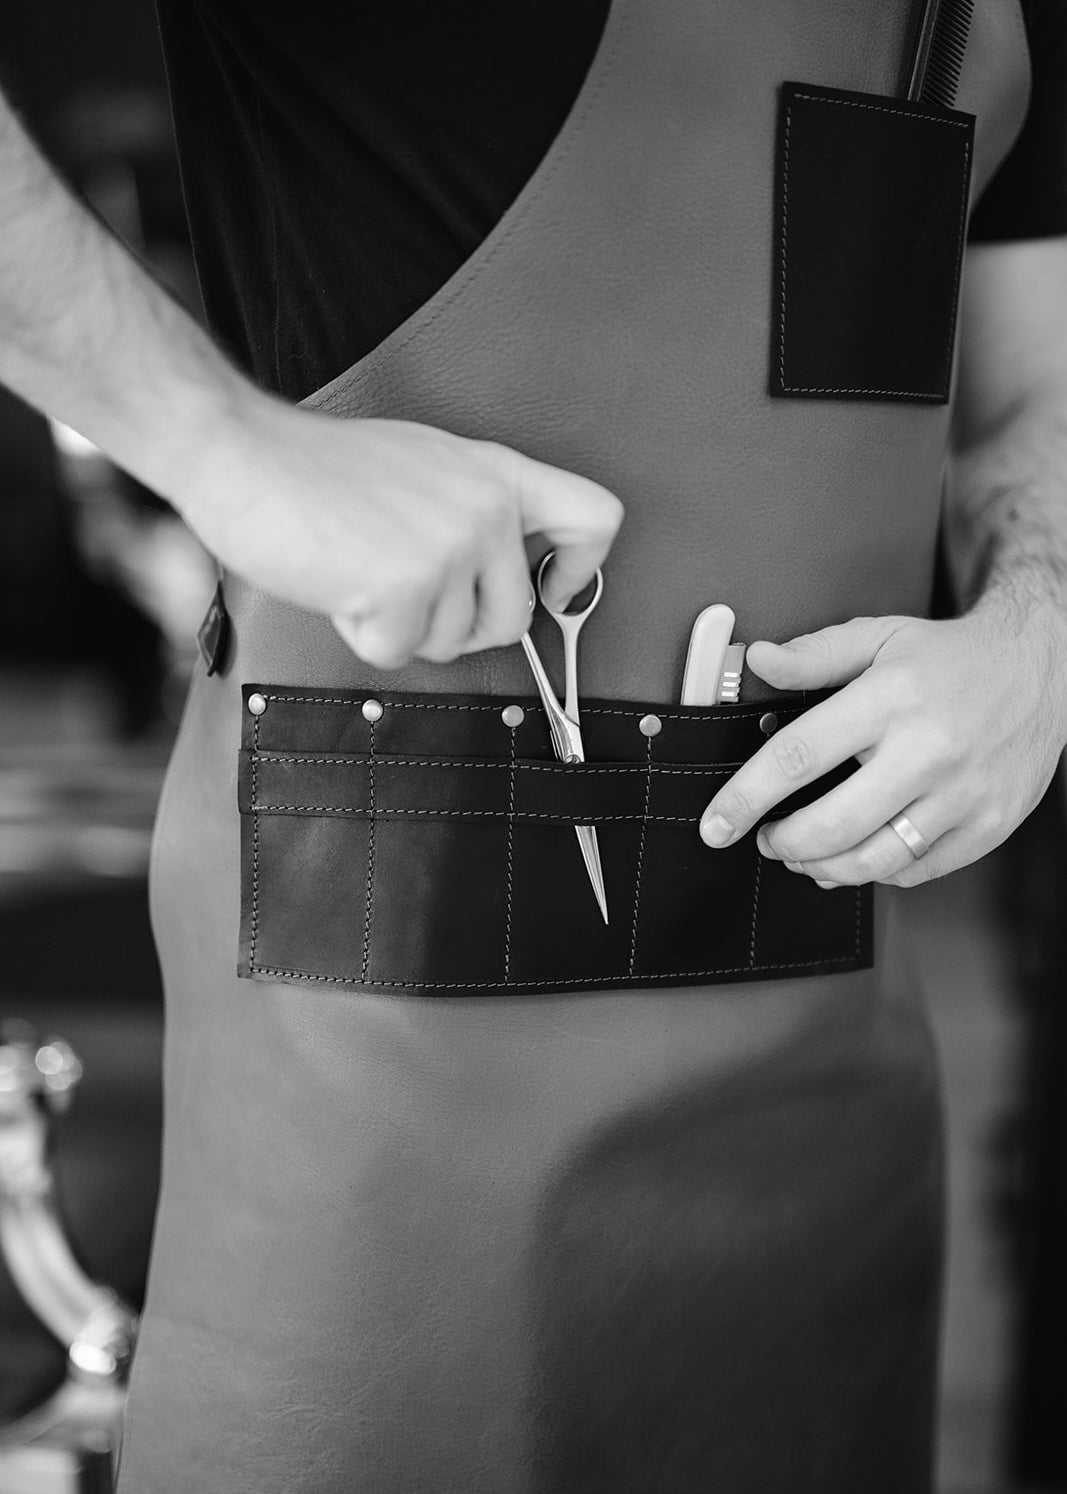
(706, 659)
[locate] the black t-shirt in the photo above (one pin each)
(341, 161)
(1027, 198)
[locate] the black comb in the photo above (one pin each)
(940, 47)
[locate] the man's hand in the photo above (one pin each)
(959, 724)
(410, 538)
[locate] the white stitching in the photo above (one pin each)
(900, 114)
(635, 714)
(370, 865)
(959, 260)
(469, 814)
(640, 711)
(394, 705)
(255, 852)
(511, 856)
(641, 854)
(578, 980)
(356, 760)
(851, 389)
(785, 242)
(755, 912)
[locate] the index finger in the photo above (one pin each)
(578, 517)
(798, 754)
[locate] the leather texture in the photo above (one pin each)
(638, 303)
(871, 216)
(430, 850)
(646, 1239)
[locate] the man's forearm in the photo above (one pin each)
(409, 537)
(1006, 520)
(86, 333)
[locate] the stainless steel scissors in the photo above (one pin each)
(563, 719)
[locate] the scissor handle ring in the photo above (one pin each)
(575, 616)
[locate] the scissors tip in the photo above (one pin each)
(601, 898)
(591, 857)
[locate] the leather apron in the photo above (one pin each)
(679, 1239)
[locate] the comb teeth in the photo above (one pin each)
(940, 53)
(730, 689)
(730, 680)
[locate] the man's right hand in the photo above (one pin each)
(409, 538)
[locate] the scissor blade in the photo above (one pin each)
(567, 742)
(591, 856)
(566, 738)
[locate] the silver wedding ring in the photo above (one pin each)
(909, 835)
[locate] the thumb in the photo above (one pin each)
(578, 517)
(831, 656)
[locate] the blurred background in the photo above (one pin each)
(101, 593)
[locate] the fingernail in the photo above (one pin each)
(715, 831)
(827, 886)
(764, 846)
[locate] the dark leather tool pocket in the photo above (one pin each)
(871, 212)
(431, 848)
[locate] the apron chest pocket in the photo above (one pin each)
(432, 849)
(871, 199)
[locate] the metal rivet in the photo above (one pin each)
(373, 710)
(257, 704)
(513, 715)
(650, 726)
(768, 723)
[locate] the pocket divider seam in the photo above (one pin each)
(641, 854)
(857, 901)
(511, 860)
(755, 911)
(255, 850)
(365, 965)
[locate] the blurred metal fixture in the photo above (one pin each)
(84, 1417)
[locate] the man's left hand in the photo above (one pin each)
(957, 724)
